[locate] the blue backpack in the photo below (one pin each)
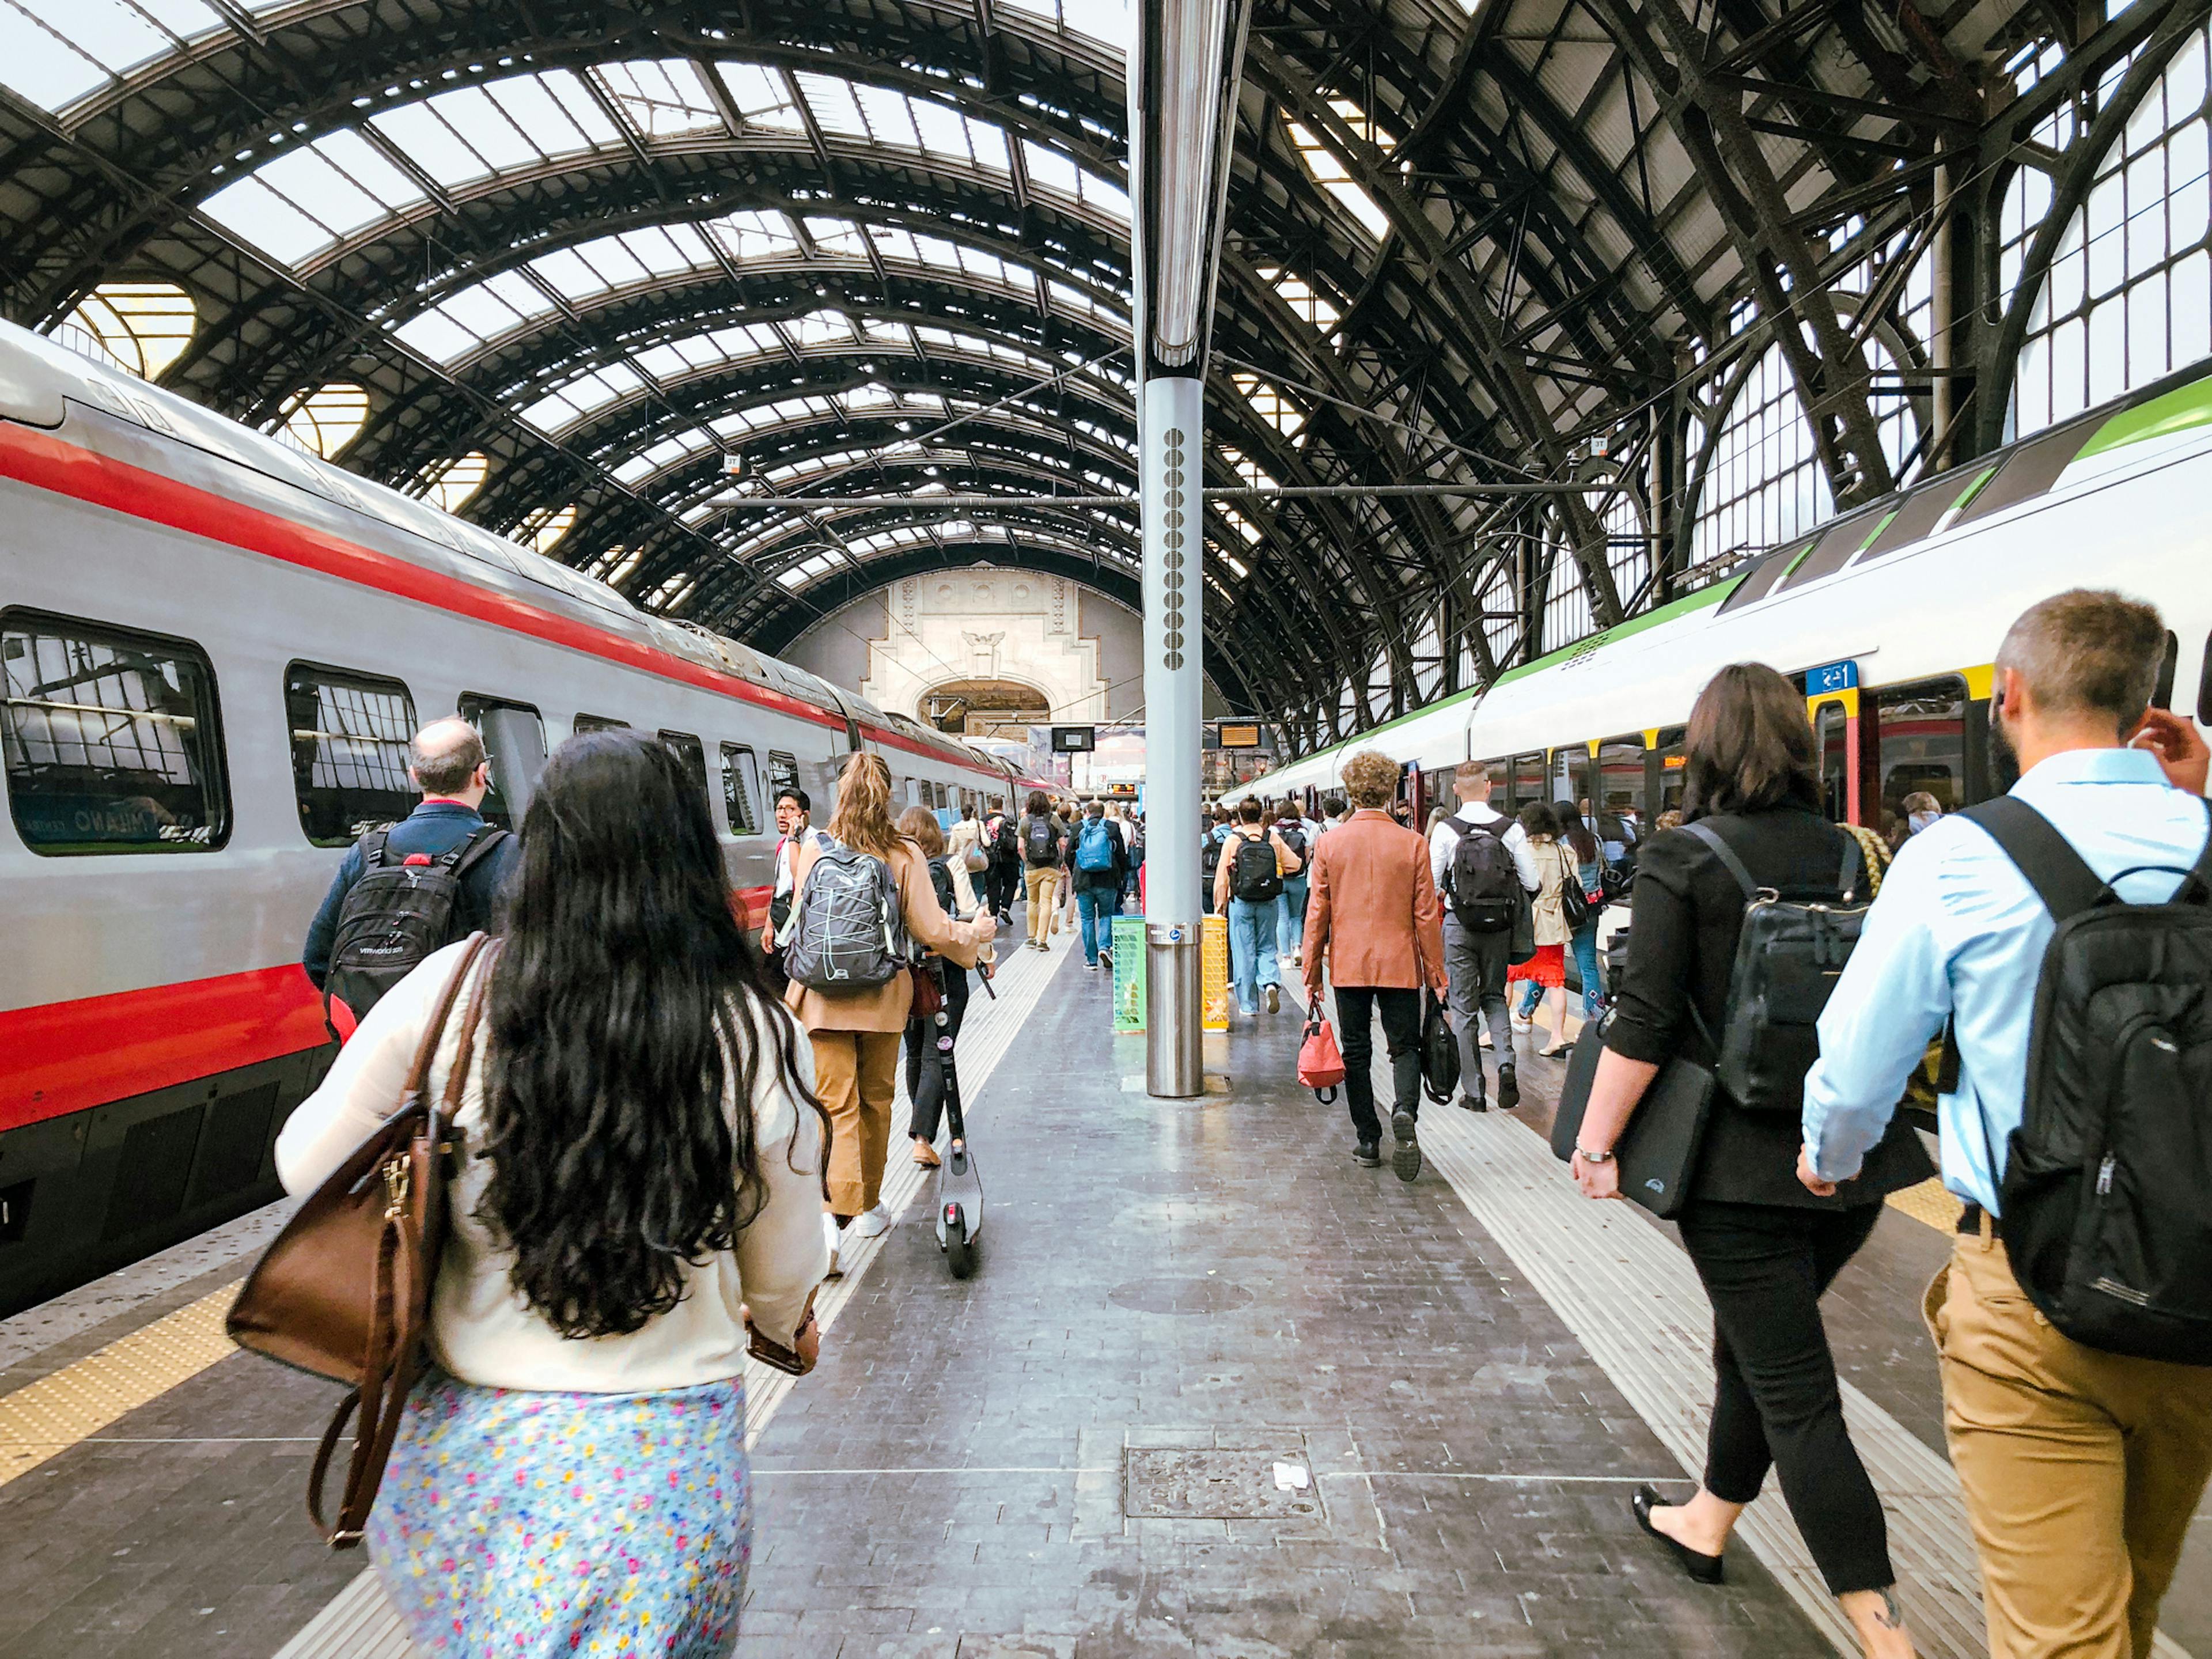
(1095, 848)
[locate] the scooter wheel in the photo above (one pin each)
(959, 1251)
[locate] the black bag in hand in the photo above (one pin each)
(1439, 1051)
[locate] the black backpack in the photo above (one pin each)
(1483, 883)
(2105, 1215)
(1209, 856)
(1005, 845)
(1041, 841)
(1254, 877)
(1294, 838)
(394, 915)
(1788, 958)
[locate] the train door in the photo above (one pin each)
(1839, 748)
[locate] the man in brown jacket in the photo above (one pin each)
(1373, 918)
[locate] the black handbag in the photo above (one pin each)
(1575, 907)
(1658, 1151)
(1439, 1051)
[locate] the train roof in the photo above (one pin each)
(40, 379)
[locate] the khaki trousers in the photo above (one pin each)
(855, 1079)
(2081, 1468)
(1043, 881)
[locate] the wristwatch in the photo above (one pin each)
(1590, 1157)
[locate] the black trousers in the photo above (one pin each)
(1000, 883)
(1776, 1403)
(1355, 1008)
(925, 1066)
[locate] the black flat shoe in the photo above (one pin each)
(1368, 1155)
(1705, 1569)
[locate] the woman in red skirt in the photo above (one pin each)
(1548, 967)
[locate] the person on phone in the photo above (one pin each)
(2081, 1469)
(639, 1165)
(1764, 1248)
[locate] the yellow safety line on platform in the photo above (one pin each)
(1931, 1202)
(45, 1419)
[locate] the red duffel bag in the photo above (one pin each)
(1321, 1062)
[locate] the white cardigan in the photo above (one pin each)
(480, 1329)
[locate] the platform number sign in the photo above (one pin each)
(1831, 677)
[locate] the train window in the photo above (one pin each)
(2028, 471)
(740, 787)
(514, 742)
(1528, 778)
(1916, 520)
(1620, 780)
(1921, 729)
(111, 739)
(1832, 737)
(2162, 698)
(692, 753)
(1834, 549)
(782, 774)
(1761, 580)
(350, 735)
(584, 723)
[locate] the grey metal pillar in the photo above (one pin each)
(1170, 442)
(1183, 68)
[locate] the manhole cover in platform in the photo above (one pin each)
(1213, 1485)
(1179, 1296)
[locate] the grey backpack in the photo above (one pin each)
(845, 933)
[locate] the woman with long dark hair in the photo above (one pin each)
(1765, 1247)
(639, 1163)
(925, 1066)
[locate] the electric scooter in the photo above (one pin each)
(959, 1189)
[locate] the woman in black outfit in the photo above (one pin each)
(925, 1066)
(1764, 1248)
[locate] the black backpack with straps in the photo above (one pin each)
(1255, 877)
(1482, 882)
(1788, 958)
(395, 914)
(2105, 1218)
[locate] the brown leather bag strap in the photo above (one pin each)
(418, 1074)
(472, 1018)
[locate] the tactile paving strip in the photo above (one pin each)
(1931, 1202)
(46, 1417)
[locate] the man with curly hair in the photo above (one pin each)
(1373, 920)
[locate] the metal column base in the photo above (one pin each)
(1175, 1024)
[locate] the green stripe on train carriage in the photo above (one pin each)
(2177, 410)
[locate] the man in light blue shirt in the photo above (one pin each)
(2081, 1468)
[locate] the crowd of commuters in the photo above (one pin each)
(659, 1108)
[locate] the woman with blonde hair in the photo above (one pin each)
(856, 1033)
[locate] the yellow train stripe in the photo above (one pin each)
(42, 1419)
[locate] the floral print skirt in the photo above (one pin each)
(524, 1524)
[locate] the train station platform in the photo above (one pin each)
(1076, 1451)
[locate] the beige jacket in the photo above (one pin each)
(1555, 868)
(884, 1008)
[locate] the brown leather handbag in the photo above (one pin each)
(344, 1291)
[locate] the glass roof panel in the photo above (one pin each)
(56, 52)
(1106, 21)
(662, 100)
(763, 97)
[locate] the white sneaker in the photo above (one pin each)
(831, 1231)
(872, 1224)
(1274, 999)
(1521, 1024)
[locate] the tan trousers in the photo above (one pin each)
(856, 1078)
(1043, 882)
(2081, 1468)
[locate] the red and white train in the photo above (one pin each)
(214, 647)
